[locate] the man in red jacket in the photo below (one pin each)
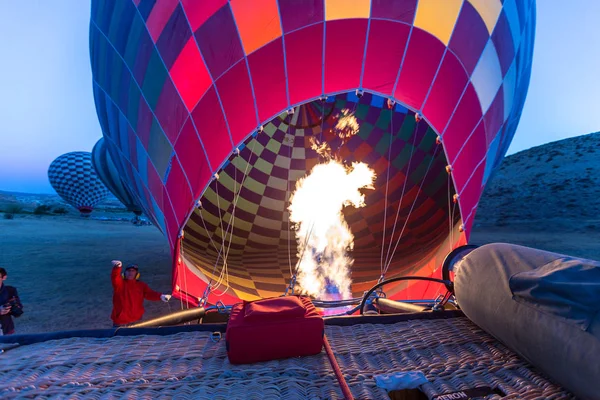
(129, 294)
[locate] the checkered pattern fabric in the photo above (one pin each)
(179, 85)
(244, 212)
(74, 179)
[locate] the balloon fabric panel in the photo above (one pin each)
(447, 89)
(420, 64)
(73, 177)
(179, 101)
(267, 68)
(344, 49)
(469, 37)
(385, 52)
(304, 58)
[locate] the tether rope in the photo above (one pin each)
(224, 270)
(411, 209)
(187, 299)
(289, 192)
(406, 177)
(450, 214)
(387, 183)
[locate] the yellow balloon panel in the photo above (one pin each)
(438, 17)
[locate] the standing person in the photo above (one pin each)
(10, 305)
(129, 294)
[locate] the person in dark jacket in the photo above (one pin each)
(129, 294)
(10, 305)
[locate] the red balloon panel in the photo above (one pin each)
(179, 191)
(304, 60)
(449, 85)
(464, 120)
(345, 46)
(268, 78)
(236, 95)
(193, 158)
(421, 62)
(210, 124)
(387, 44)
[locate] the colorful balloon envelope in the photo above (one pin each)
(214, 108)
(74, 179)
(107, 172)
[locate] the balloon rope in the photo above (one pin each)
(450, 219)
(224, 270)
(356, 104)
(232, 219)
(207, 233)
(223, 232)
(387, 183)
(185, 266)
(451, 211)
(289, 194)
(293, 277)
(217, 285)
(323, 102)
(219, 208)
(219, 251)
(187, 300)
(412, 207)
(453, 216)
(210, 237)
(406, 176)
(214, 245)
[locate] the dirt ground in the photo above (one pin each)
(61, 264)
(573, 238)
(61, 267)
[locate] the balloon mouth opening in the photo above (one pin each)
(85, 210)
(407, 227)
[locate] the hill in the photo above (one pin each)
(557, 183)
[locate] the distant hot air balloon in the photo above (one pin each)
(108, 174)
(74, 179)
(215, 106)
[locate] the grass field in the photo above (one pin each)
(61, 264)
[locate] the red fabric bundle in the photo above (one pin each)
(274, 328)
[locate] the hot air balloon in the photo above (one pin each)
(214, 108)
(107, 172)
(74, 179)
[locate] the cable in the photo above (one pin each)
(398, 279)
(406, 177)
(387, 182)
(411, 209)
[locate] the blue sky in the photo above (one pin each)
(47, 108)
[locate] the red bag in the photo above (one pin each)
(274, 328)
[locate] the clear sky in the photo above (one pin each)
(47, 108)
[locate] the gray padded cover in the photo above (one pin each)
(542, 305)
